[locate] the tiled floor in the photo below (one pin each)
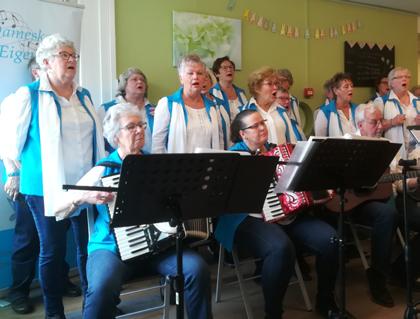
(358, 302)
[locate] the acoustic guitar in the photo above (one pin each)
(380, 192)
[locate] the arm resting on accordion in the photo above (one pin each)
(73, 200)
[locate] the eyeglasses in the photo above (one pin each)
(132, 126)
(66, 56)
(255, 126)
(399, 77)
(283, 98)
(227, 67)
(271, 83)
(374, 122)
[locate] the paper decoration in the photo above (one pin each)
(273, 27)
(293, 31)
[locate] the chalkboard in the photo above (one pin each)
(366, 64)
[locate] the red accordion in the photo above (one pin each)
(290, 202)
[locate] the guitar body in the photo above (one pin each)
(353, 198)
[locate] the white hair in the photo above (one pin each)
(111, 123)
(190, 58)
(49, 46)
(361, 109)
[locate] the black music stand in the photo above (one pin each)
(411, 309)
(337, 163)
(177, 187)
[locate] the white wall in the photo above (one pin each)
(97, 49)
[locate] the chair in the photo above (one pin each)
(353, 228)
(241, 280)
(164, 287)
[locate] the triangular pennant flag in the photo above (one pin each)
(266, 24)
(331, 32)
(380, 45)
(296, 32)
(260, 22)
(317, 34)
(343, 29)
(246, 14)
(274, 27)
(253, 17)
(289, 31)
(283, 29)
(354, 26)
(307, 34)
(322, 34)
(335, 33)
(349, 27)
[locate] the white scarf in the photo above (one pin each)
(177, 137)
(53, 174)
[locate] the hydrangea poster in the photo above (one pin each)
(208, 36)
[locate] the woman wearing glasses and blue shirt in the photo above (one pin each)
(55, 133)
(275, 243)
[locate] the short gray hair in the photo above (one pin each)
(391, 74)
(111, 123)
(123, 78)
(49, 46)
(190, 58)
(369, 107)
(285, 73)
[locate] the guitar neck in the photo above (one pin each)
(398, 176)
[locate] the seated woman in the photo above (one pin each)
(124, 129)
(274, 242)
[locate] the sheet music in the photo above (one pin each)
(299, 154)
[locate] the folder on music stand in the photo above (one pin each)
(333, 163)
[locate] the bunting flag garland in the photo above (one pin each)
(294, 32)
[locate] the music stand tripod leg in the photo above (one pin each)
(411, 310)
(341, 260)
(178, 280)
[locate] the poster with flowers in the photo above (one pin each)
(208, 36)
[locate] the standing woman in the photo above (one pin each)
(232, 96)
(286, 82)
(187, 119)
(132, 88)
(263, 85)
(338, 117)
(400, 109)
(55, 133)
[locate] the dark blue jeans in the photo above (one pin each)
(24, 252)
(106, 274)
(274, 243)
(52, 239)
(383, 218)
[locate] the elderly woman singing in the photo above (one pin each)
(54, 131)
(124, 128)
(132, 88)
(187, 119)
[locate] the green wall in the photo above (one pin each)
(144, 39)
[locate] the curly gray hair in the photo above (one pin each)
(49, 46)
(111, 123)
(123, 78)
